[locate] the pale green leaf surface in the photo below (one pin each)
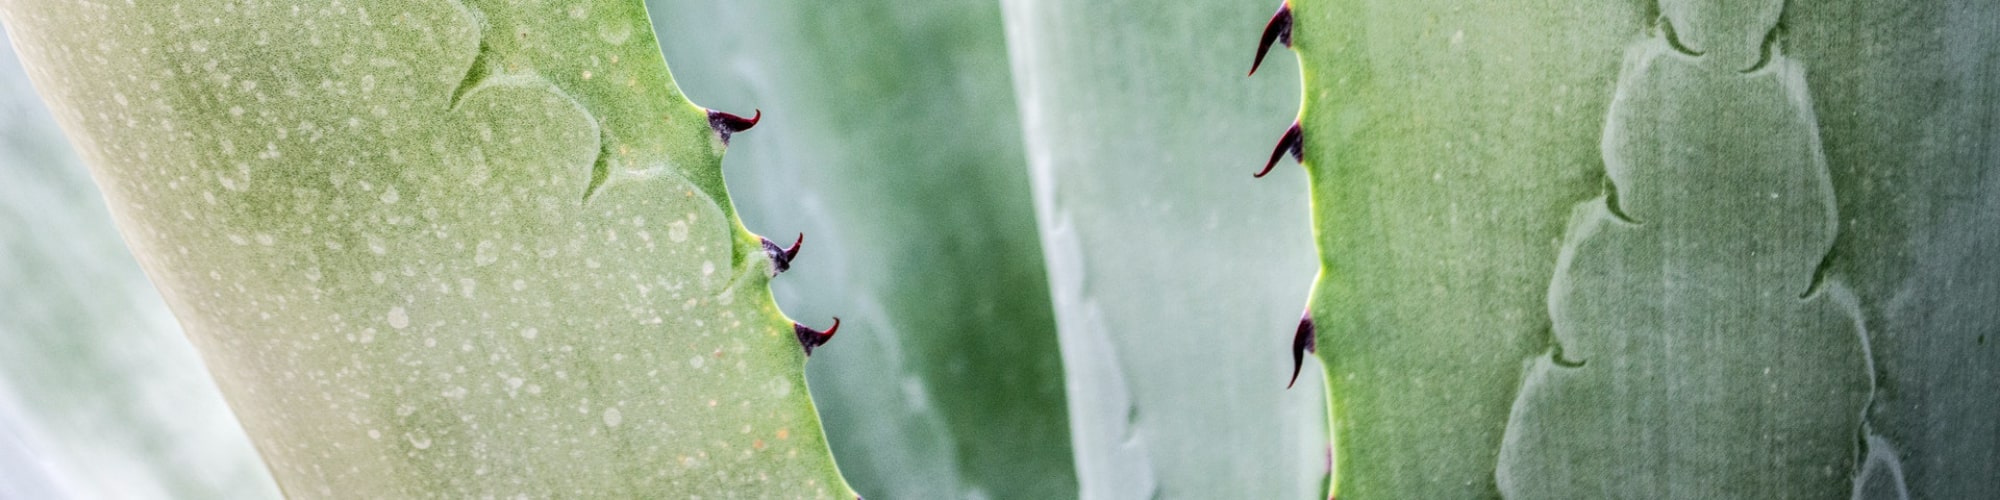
(1449, 142)
(1178, 279)
(1906, 97)
(890, 138)
(1446, 143)
(100, 396)
(434, 249)
(1700, 353)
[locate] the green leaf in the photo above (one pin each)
(1701, 354)
(1445, 144)
(1905, 98)
(1750, 298)
(1178, 279)
(100, 395)
(430, 248)
(890, 139)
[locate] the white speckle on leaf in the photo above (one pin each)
(483, 255)
(614, 32)
(780, 387)
(421, 442)
(612, 417)
(677, 231)
(399, 318)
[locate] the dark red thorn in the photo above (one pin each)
(1293, 142)
(726, 124)
(1303, 341)
(794, 250)
(781, 258)
(810, 338)
(1279, 29)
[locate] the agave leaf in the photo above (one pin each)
(1177, 278)
(432, 248)
(1905, 105)
(1444, 143)
(1702, 342)
(890, 139)
(1701, 352)
(93, 404)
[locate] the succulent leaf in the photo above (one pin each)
(100, 394)
(1714, 320)
(945, 381)
(1176, 281)
(441, 248)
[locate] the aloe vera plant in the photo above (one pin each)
(444, 249)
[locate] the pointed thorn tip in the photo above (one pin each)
(1280, 28)
(1292, 142)
(1303, 341)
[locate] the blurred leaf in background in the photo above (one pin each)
(100, 395)
(890, 139)
(1178, 279)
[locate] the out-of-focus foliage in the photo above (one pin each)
(1177, 278)
(890, 140)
